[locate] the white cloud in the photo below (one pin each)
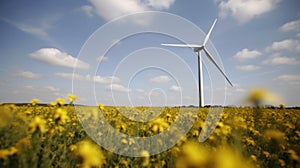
(44, 93)
(140, 90)
(245, 54)
(40, 32)
(245, 10)
(56, 57)
(248, 67)
(288, 44)
(28, 74)
(52, 89)
(118, 88)
(288, 78)
(292, 80)
(160, 4)
(240, 90)
(277, 59)
(175, 88)
(97, 79)
(88, 10)
(237, 87)
(291, 26)
(72, 76)
(106, 79)
(115, 8)
(102, 58)
(160, 79)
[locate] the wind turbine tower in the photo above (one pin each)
(198, 48)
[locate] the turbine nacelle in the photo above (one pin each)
(198, 49)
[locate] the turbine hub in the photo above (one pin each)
(197, 49)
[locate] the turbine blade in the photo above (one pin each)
(183, 45)
(208, 34)
(214, 62)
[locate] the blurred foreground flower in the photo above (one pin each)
(90, 154)
(5, 116)
(158, 125)
(37, 124)
(72, 98)
(274, 135)
(282, 106)
(4, 153)
(101, 106)
(259, 96)
(146, 156)
(34, 101)
(61, 116)
(194, 154)
(60, 101)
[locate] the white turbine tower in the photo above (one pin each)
(198, 49)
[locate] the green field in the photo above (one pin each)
(33, 135)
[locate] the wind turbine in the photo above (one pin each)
(198, 48)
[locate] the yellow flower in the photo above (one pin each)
(71, 134)
(266, 154)
(253, 157)
(28, 112)
(250, 141)
(124, 162)
(220, 125)
(4, 153)
(124, 141)
(73, 148)
(281, 163)
(101, 106)
(274, 135)
(293, 155)
(60, 101)
(158, 125)
(193, 155)
(121, 127)
(175, 151)
(226, 130)
(72, 98)
(195, 133)
(5, 116)
(24, 142)
(163, 162)
(146, 156)
(52, 103)
(90, 154)
(61, 115)
(34, 101)
(289, 125)
(225, 157)
(37, 124)
(59, 129)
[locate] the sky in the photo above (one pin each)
(45, 51)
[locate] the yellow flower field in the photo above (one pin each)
(35, 135)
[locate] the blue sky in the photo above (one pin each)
(258, 46)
